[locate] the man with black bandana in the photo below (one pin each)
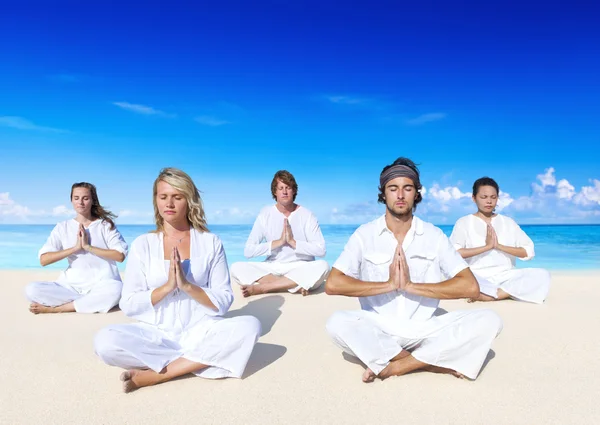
(395, 266)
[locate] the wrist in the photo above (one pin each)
(87, 248)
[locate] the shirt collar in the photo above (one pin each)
(416, 226)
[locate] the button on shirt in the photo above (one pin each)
(430, 256)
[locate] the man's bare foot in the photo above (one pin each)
(37, 308)
(438, 369)
(481, 297)
(127, 378)
(368, 376)
(304, 292)
(249, 290)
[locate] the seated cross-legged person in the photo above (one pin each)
(177, 286)
(93, 246)
(395, 266)
(290, 236)
(491, 243)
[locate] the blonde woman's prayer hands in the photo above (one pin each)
(182, 282)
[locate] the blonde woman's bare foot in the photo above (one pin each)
(304, 292)
(438, 369)
(481, 297)
(127, 378)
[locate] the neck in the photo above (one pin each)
(286, 208)
(176, 228)
(398, 224)
(484, 215)
(84, 219)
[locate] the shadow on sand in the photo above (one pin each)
(266, 309)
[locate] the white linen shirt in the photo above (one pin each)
(147, 270)
(370, 250)
(470, 232)
(268, 227)
(85, 268)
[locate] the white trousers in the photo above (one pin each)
(459, 340)
(531, 285)
(306, 274)
(225, 345)
(104, 295)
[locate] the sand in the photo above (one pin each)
(543, 369)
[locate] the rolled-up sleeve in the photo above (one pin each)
(451, 262)
(115, 241)
(523, 241)
(219, 286)
(136, 297)
(53, 243)
(350, 259)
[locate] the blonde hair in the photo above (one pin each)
(183, 183)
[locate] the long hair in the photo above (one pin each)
(183, 183)
(97, 211)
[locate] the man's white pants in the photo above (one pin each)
(458, 340)
(531, 285)
(308, 275)
(104, 295)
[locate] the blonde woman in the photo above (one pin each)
(177, 286)
(93, 246)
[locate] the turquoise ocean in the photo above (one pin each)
(558, 247)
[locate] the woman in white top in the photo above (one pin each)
(93, 245)
(177, 286)
(490, 243)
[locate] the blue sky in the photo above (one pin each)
(233, 91)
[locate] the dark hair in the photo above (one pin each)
(286, 178)
(418, 186)
(485, 181)
(97, 211)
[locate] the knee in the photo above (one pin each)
(32, 291)
(323, 266)
(336, 322)
(491, 320)
(235, 271)
(105, 341)
(254, 327)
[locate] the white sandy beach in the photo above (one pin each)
(543, 369)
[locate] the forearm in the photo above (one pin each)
(517, 252)
(199, 295)
(278, 243)
(339, 284)
(107, 254)
(471, 252)
(52, 257)
(160, 293)
(464, 286)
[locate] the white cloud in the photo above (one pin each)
(361, 212)
(11, 211)
(234, 215)
(446, 194)
(346, 100)
(589, 195)
(211, 120)
(426, 118)
(22, 124)
(63, 211)
(142, 109)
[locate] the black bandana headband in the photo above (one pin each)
(398, 171)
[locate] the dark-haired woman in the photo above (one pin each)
(93, 246)
(491, 243)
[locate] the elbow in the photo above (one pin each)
(472, 288)
(121, 257)
(43, 261)
(331, 286)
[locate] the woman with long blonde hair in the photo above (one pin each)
(92, 245)
(177, 286)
